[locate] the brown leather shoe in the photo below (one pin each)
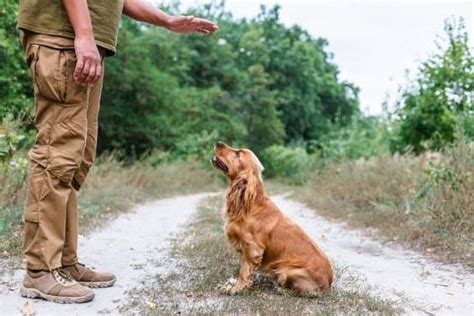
(56, 286)
(89, 277)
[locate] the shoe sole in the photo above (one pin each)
(35, 293)
(97, 285)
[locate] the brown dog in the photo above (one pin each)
(262, 234)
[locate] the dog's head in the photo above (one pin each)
(244, 170)
(236, 161)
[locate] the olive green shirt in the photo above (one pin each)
(50, 17)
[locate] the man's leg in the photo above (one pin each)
(45, 219)
(61, 114)
(72, 231)
(81, 273)
(70, 256)
(92, 131)
(61, 121)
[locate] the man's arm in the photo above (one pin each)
(141, 11)
(89, 65)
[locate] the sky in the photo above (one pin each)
(374, 42)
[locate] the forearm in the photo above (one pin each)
(79, 16)
(142, 11)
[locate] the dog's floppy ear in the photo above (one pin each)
(242, 193)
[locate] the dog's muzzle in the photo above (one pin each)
(219, 164)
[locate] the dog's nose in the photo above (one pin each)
(220, 144)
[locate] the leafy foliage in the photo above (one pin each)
(293, 165)
(364, 137)
(255, 83)
(13, 170)
(15, 80)
(10, 137)
(441, 100)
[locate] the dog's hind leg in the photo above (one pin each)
(305, 286)
(301, 282)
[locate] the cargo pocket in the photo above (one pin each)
(54, 76)
(38, 189)
(47, 74)
(74, 93)
(31, 60)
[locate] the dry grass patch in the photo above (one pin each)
(427, 201)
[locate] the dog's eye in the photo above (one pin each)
(237, 153)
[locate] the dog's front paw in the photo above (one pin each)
(236, 289)
(239, 287)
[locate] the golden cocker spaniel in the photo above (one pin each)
(266, 238)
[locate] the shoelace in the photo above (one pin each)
(63, 277)
(85, 266)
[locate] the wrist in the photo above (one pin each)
(164, 20)
(84, 33)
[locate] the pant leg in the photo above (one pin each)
(45, 219)
(61, 122)
(92, 131)
(70, 256)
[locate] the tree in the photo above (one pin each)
(441, 100)
(15, 80)
(145, 106)
(260, 115)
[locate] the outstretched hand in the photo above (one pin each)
(190, 24)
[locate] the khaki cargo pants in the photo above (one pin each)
(64, 150)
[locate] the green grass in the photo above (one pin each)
(202, 261)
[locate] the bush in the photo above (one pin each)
(445, 197)
(365, 137)
(292, 164)
(440, 100)
(13, 170)
(196, 146)
(15, 80)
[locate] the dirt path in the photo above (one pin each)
(125, 246)
(129, 245)
(417, 283)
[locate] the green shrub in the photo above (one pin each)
(440, 100)
(292, 164)
(365, 137)
(15, 80)
(13, 170)
(196, 146)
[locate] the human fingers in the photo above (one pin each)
(91, 75)
(98, 73)
(201, 30)
(206, 24)
(85, 71)
(95, 70)
(78, 68)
